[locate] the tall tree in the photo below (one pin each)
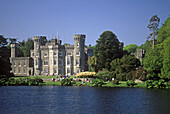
(131, 48)
(153, 26)
(107, 49)
(5, 65)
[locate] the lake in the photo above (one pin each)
(72, 99)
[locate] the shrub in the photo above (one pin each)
(149, 83)
(66, 82)
(156, 84)
(121, 77)
(3, 80)
(131, 83)
(105, 74)
(115, 82)
(131, 75)
(86, 75)
(97, 82)
(141, 74)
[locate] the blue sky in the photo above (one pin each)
(128, 19)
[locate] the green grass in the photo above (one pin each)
(51, 83)
(109, 84)
(122, 84)
(42, 77)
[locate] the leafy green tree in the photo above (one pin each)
(164, 31)
(29, 45)
(92, 61)
(153, 26)
(126, 64)
(131, 48)
(153, 63)
(165, 71)
(3, 41)
(107, 49)
(4, 58)
(124, 68)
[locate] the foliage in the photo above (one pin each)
(97, 82)
(107, 49)
(4, 58)
(103, 74)
(131, 75)
(160, 84)
(124, 68)
(66, 82)
(156, 61)
(26, 81)
(131, 48)
(92, 61)
(115, 81)
(164, 31)
(141, 74)
(153, 26)
(131, 83)
(165, 70)
(86, 75)
(153, 63)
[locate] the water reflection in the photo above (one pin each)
(59, 99)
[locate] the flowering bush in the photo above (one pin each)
(86, 75)
(141, 74)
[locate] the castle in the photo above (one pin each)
(52, 58)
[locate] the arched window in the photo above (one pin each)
(55, 62)
(60, 61)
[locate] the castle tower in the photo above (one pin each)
(13, 50)
(79, 53)
(37, 55)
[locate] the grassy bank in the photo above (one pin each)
(58, 83)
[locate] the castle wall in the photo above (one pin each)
(52, 58)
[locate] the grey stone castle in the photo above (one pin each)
(52, 58)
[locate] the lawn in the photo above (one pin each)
(107, 84)
(122, 84)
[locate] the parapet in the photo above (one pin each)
(79, 36)
(13, 46)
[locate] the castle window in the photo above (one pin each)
(60, 53)
(55, 70)
(68, 61)
(69, 53)
(14, 71)
(77, 61)
(55, 53)
(77, 53)
(24, 71)
(45, 62)
(32, 54)
(13, 63)
(78, 71)
(60, 62)
(24, 63)
(45, 54)
(68, 70)
(55, 62)
(19, 71)
(37, 54)
(45, 71)
(60, 71)
(77, 44)
(37, 46)
(19, 63)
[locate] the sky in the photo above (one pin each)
(127, 19)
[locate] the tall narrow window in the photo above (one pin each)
(55, 62)
(45, 62)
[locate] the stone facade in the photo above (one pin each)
(52, 58)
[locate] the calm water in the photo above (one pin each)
(61, 100)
